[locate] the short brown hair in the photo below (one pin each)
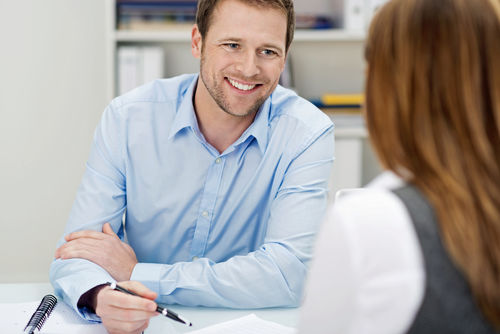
(433, 110)
(207, 7)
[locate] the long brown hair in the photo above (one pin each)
(433, 112)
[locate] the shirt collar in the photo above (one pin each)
(186, 117)
(259, 127)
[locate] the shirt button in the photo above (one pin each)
(195, 258)
(218, 160)
(204, 213)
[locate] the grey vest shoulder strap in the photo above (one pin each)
(448, 305)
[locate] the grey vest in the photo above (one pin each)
(448, 305)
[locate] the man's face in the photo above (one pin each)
(242, 56)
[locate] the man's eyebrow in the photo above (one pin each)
(229, 38)
(237, 40)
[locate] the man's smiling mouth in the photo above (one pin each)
(241, 86)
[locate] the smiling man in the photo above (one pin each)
(222, 177)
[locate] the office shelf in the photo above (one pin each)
(321, 61)
(184, 35)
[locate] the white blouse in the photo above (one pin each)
(367, 275)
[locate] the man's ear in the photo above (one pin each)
(196, 42)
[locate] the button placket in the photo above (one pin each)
(207, 206)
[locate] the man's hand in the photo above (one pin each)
(103, 248)
(124, 313)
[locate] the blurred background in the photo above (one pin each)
(62, 61)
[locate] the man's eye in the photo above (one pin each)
(232, 45)
(268, 52)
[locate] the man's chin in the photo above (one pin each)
(242, 112)
(239, 114)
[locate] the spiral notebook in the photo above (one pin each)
(47, 316)
(41, 314)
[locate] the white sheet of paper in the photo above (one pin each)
(250, 324)
(62, 320)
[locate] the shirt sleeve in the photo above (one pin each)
(100, 198)
(274, 274)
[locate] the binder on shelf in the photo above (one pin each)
(340, 104)
(359, 13)
(371, 8)
(151, 15)
(138, 65)
(152, 63)
(128, 66)
(354, 15)
(342, 99)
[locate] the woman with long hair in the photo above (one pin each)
(418, 251)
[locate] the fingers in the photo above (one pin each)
(84, 238)
(79, 248)
(106, 229)
(120, 327)
(140, 289)
(124, 313)
(108, 252)
(106, 232)
(124, 306)
(120, 300)
(86, 234)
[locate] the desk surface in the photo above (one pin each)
(200, 316)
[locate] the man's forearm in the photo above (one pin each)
(268, 277)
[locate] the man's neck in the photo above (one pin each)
(219, 128)
(222, 134)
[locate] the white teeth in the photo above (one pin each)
(241, 86)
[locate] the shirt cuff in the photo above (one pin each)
(85, 312)
(148, 274)
(88, 315)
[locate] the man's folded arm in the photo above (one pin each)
(100, 198)
(272, 275)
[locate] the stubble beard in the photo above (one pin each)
(218, 96)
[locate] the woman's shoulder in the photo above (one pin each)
(374, 206)
(369, 248)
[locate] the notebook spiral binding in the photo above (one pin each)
(41, 314)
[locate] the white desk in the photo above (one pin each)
(200, 316)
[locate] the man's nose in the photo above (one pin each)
(248, 64)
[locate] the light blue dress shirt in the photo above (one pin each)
(230, 230)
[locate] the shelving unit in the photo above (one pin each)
(329, 35)
(180, 35)
(184, 35)
(322, 61)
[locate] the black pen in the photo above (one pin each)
(163, 310)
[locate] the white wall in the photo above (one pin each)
(52, 93)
